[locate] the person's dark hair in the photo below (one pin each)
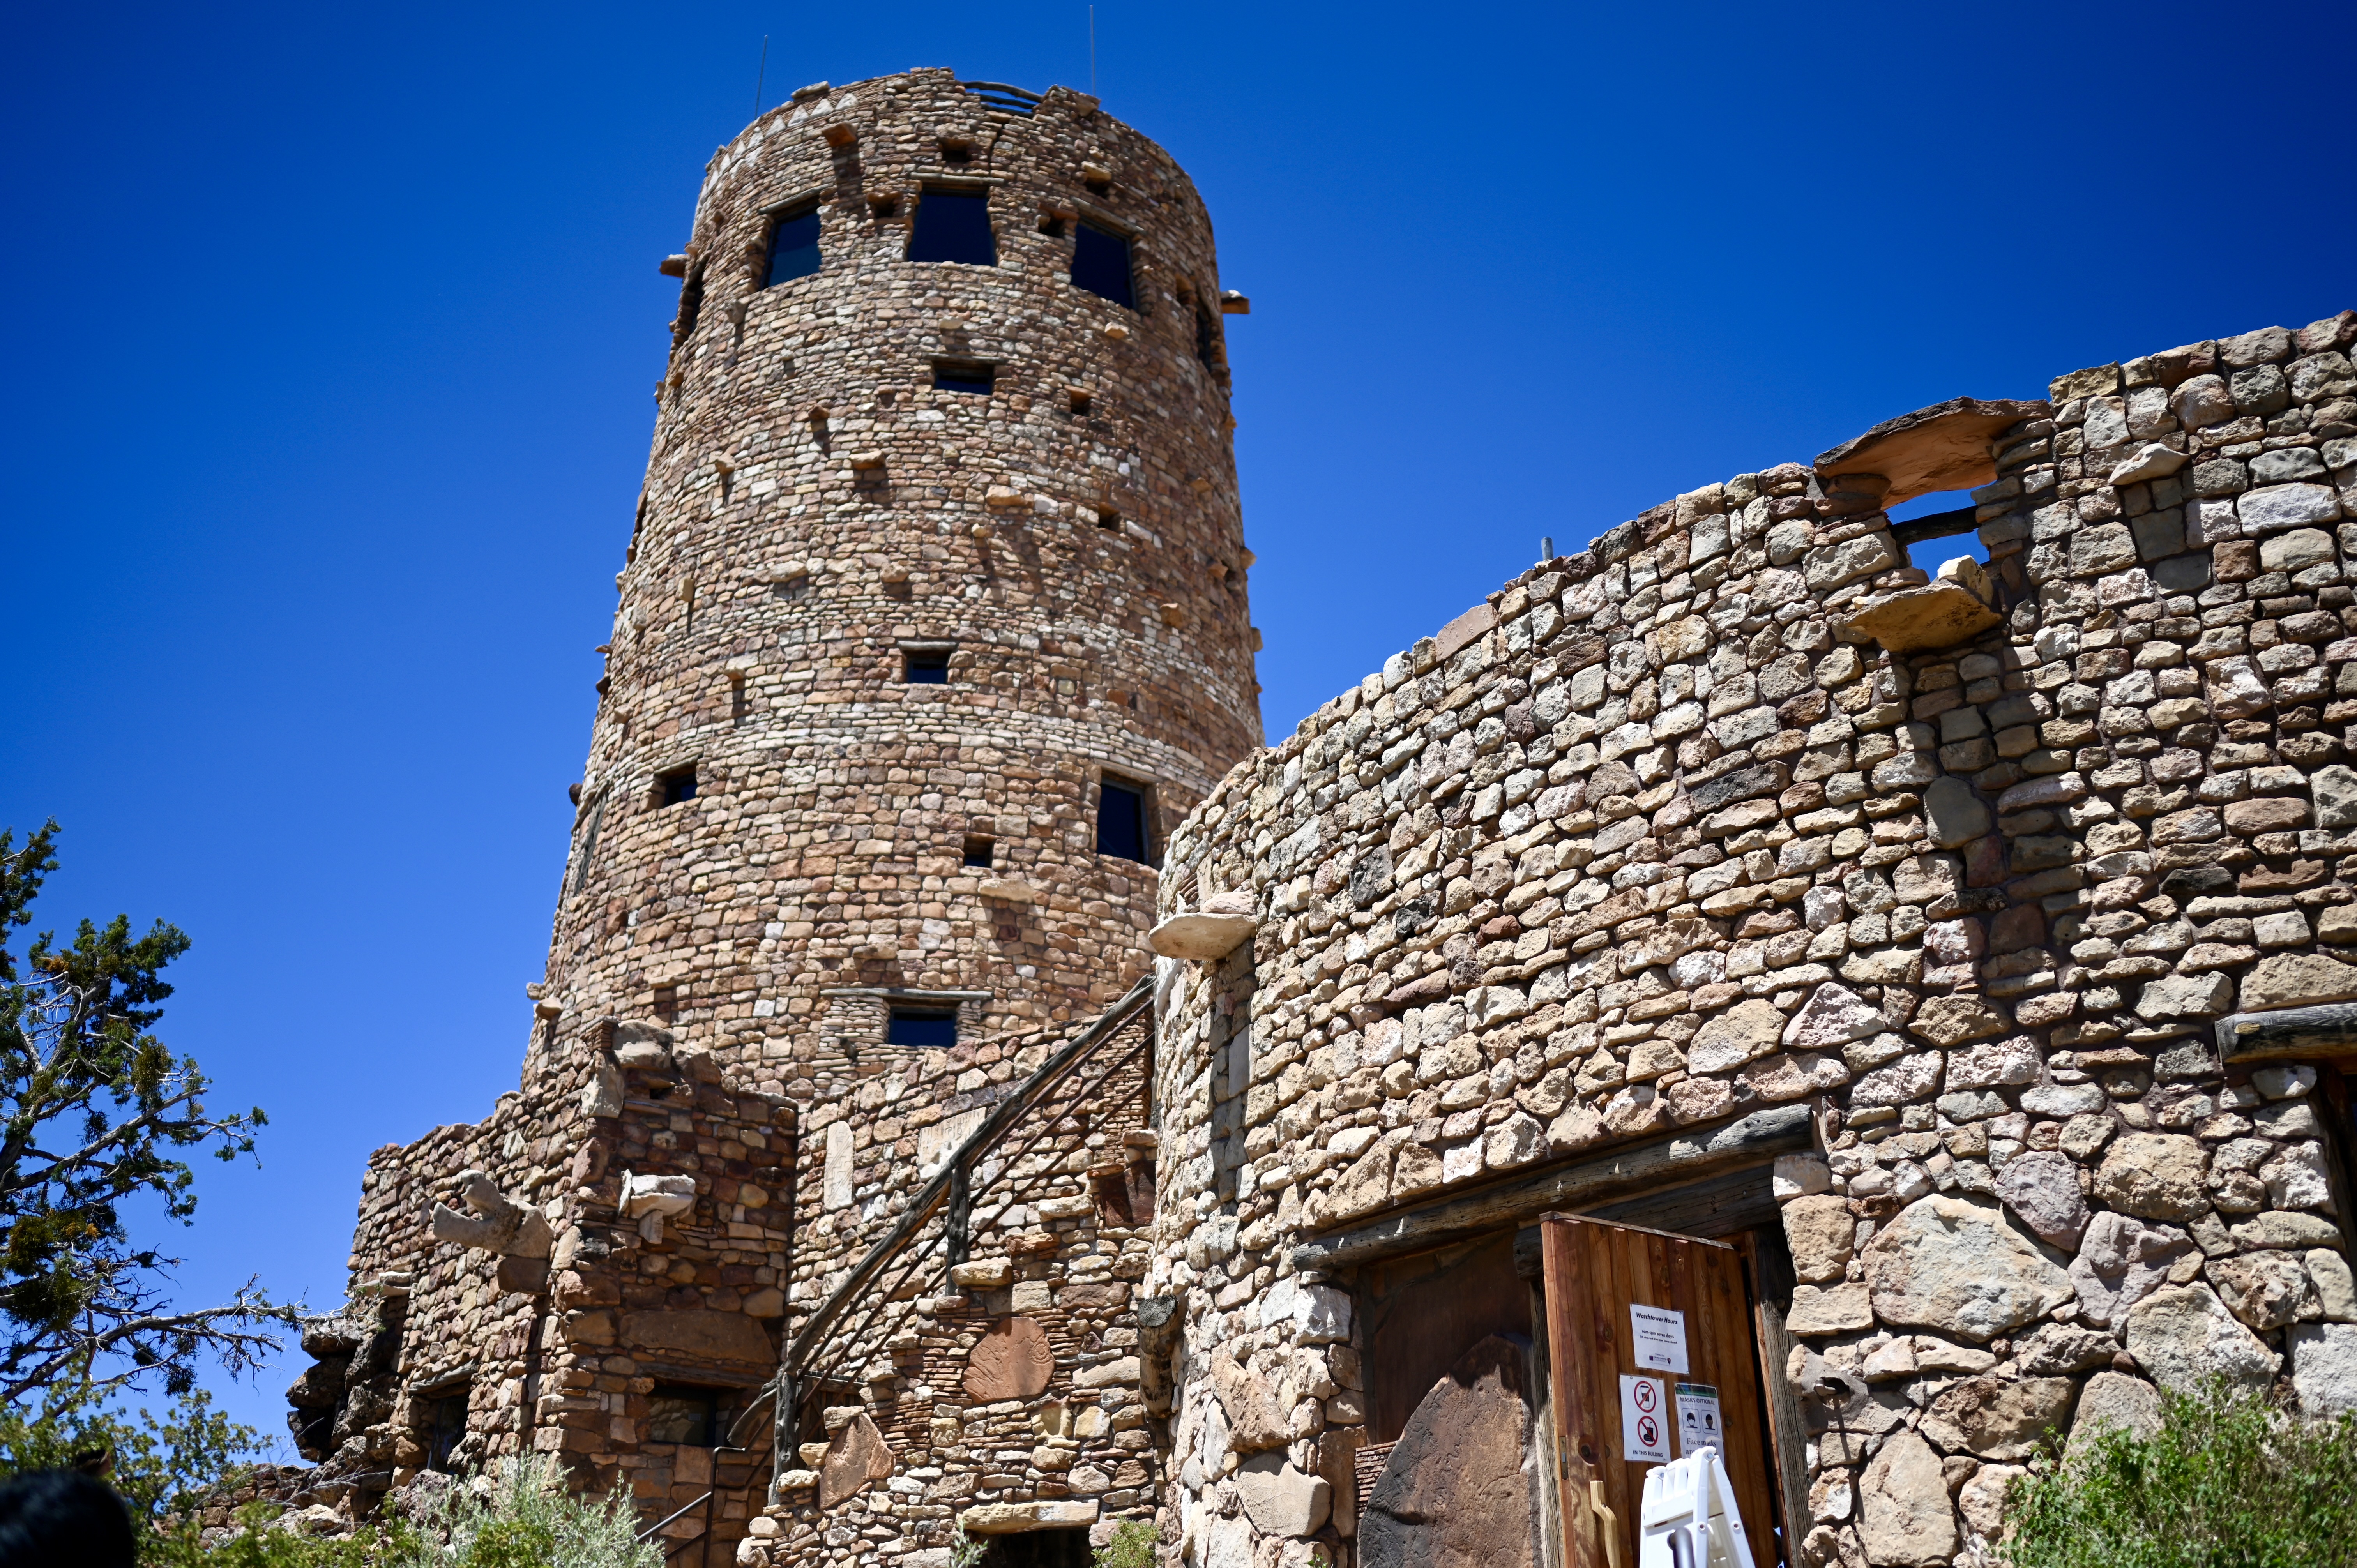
(52, 1517)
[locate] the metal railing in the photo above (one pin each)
(999, 95)
(936, 1230)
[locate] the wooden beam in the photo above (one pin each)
(2293, 1034)
(1752, 1140)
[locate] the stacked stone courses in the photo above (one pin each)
(1666, 836)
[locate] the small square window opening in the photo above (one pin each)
(965, 376)
(1080, 401)
(953, 225)
(1108, 519)
(1038, 1548)
(1100, 264)
(1121, 822)
(793, 247)
(925, 666)
(978, 850)
(921, 1026)
(685, 1415)
(676, 786)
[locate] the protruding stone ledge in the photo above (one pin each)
(1943, 447)
(1225, 920)
(1011, 1519)
(1950, 611)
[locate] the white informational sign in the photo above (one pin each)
(1644, 1419)
(1698, 1419)
(1659, 1338)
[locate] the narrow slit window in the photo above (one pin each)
(1100, 264)
(676, 786)
(965, 376)
(934, 1027)
(1121, 822)
(979, 851)
(954, 226)
(793, 247)
(925, 666)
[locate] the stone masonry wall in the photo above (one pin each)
(1659, 836)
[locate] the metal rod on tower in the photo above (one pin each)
(1092, 52)
(1546, 548)
(762, 79)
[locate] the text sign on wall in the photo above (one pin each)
(1698, 1425)
(1658, 1336)
(1644, 1419)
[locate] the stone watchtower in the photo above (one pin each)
(932, 625)
(934, 618)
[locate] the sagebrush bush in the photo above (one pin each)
(2228, 1481)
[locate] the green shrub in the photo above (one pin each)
(2228, 1481)
(160, 1464)
(1132, 1546)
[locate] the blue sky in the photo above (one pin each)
(329, 380)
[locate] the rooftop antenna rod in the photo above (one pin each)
(761, 80)
(1092, 52)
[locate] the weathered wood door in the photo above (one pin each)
(1622, 1401)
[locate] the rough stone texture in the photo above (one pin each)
(2184, 1335)
(1958, 1267)
(1454, 1492)
(2157, 1176)
(1904, 1518)
(1012, 1362)
(856, 1455)
(2324, 1368)
(1822, 1235)
(2115, 1399)
(2042, 1188)
(2121, 1262)
(1280, 1499)
(1998, 1418)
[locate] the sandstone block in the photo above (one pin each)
(1958, 1267)
(1749, 1030)
(1012, 1360)
(1998, 1418)
(1833, 1309)
(1905, 1519)
(2297, 980)
(2181, 1334)
(1280, 1499)
(2324, 1368)
(2114, 1399)
(2266, 1289)
(2156, 1175)
(1822, 1233)
(1006, 1518)
(2041, 1187)
(1833, 1016)
(2121, 1262)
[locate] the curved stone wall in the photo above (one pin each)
(1662, 839)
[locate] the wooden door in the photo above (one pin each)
(1687, 1289)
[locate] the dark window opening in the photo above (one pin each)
(676, 786)
(1081, 401)
(1100, 264)
(1052, 225)
(956, 150)
(921, 1026)
(687, 1415)
(925, 666)
(1121, 822)
(793, 247)
(954, 226)
(441, 1426)
(1206, 340)
(667, 1003)
(978, 850)
(1065, 1547)
(1108, 518)
(691, 303)
(965, 376)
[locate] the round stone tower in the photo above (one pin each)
(934, 618)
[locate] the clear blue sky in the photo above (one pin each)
(334, 331)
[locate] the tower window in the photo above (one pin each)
(965, 376)
(441, 1424)
(925, 666)
(1108, 519)
(793, 247)
(676, 786)
(1121, 822)
(1100, 264)
(1081, 401)
(684, 1414)
(978, 850)
(953, 225)
(921, 1026)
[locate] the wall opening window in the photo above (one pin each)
(1059, 1548)
(1108, 519)
(921, 1026)
(925, 666)
(1081, 401)
(965, 376)
(1207, 336)
(794, 246)
(1100, 264)
(691, 303)
(676, 786)
(441, 1424)
(666, 1002)
(685, 1415)
(1121, 828)
(952, 224)
(978, 850)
